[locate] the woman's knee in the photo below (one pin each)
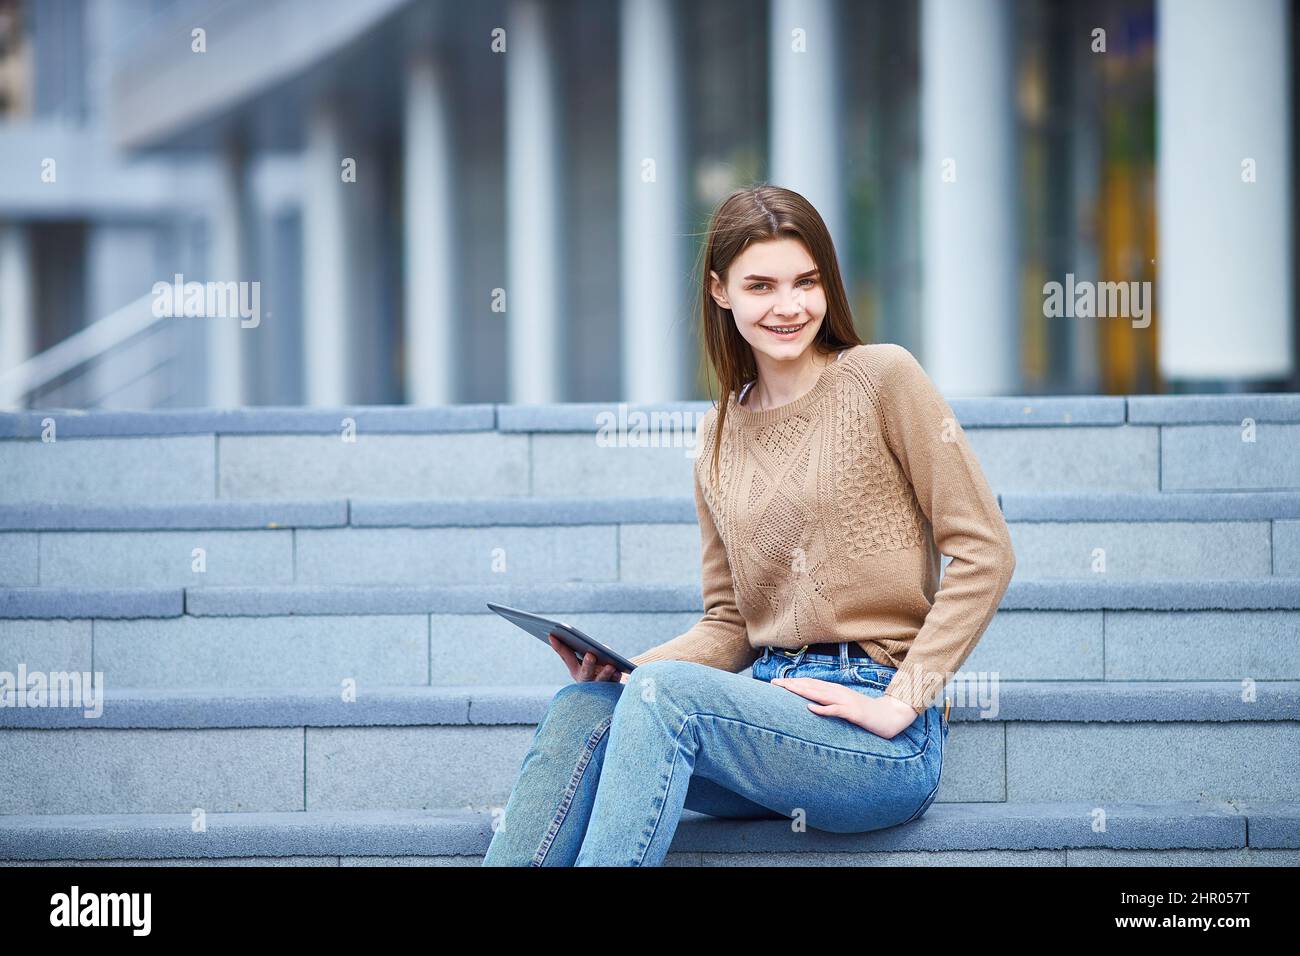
(583, 702)
(578, 715)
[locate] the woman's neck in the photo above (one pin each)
(780, 385)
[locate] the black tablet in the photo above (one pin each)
(541, 627)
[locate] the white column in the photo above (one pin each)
(17, 307)
(370, 333)
(325, 265)
(1224, 294)
(533, 210)
(432, 348)
(226, 371)
(968, 197)
(121, 269)
(804, 138)
(653, 190)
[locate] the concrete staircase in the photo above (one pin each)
(231, 573)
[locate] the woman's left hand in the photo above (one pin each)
(884, 716)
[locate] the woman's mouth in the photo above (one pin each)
(785, 331)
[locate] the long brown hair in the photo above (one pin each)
(755, 214)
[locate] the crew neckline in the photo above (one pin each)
(746, 416)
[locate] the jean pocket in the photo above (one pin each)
(872, 676)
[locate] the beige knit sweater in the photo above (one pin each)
(828, 521)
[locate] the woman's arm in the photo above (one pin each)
(965, 519)
(720, 638)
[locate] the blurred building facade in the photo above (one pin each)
(502, 201)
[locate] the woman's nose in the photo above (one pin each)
(791, 303)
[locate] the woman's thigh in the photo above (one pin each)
(761, 743)
(705, 796)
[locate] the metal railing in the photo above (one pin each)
(125, 360)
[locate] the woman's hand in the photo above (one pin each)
(884, 716)
(587, 668)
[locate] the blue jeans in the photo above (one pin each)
(612, 766)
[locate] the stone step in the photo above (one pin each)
(142, 751)
(322, 636)
(1173, 833)
(1039, 443)
(608, 539)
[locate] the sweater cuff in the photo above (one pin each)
(916, 686)
(726, 657)
(647, 657)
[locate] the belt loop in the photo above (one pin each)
(844, 655)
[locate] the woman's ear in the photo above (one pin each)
(718, 290)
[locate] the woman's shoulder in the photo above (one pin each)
(882, 367)
(877, 356)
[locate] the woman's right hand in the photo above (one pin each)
(589, 668)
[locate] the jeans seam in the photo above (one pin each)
(925, 804)
(672, 768)
(593, 741)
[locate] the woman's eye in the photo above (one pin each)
(762, 285)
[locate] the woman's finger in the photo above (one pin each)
(826, 710)
(822, 691)
(560, 648)
(570, 659)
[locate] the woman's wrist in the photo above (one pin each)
(885, 716)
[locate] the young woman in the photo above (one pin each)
(834, 476)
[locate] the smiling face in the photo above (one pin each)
(773, 285)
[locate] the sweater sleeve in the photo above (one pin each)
(720, 638)
(967, 525)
